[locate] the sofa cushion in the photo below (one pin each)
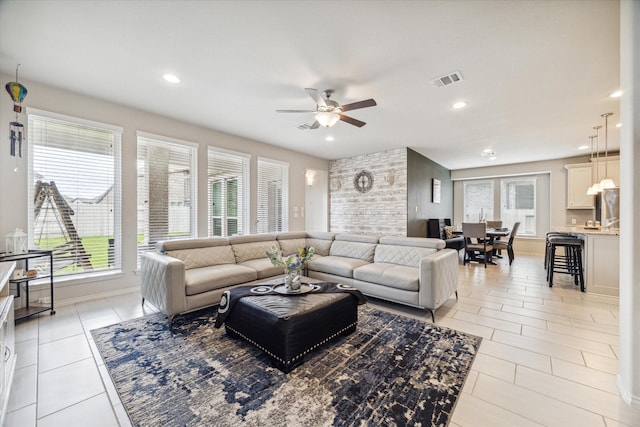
(339, 266)
(255, 250)
(321, 246)
(263, 267)
(391, 275)
(290, 246)
(321, 241)
(204, 257)
(164, 246)
(199, 280)
(408, 256)
(419, 242)
(448, 231)
(352, 237)
(357, 250)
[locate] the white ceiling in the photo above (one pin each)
(537, 73)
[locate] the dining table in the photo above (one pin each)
(492, 234)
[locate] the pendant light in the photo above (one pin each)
(591, 191)
(606, 182)
(595, 188)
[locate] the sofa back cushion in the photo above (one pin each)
(418, 242)
(321, 241)
(290, 242)
(171, 245)
(248, 251)
(401, 255)
(357, 250)
(204, 257)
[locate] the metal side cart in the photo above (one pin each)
(22, 283)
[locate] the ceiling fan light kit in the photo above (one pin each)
(328, 112)
(327, 119)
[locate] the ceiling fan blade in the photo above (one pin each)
(352, 121)
(317, 96)
(295, 111)
(360, 104)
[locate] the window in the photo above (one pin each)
(227, 178)
(74, 196)
(478, 201)
(509, 199)
(518, 196)
(166, 190)
(273, 196)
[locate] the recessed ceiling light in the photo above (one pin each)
(171, 78)
(583, 147)
(329, 138)
(459, 105)
(616, 94)
(619, 125)
(487, 152)
(492, 158)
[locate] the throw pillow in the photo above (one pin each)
(448, 232)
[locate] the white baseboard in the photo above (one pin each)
(90, 297)
(629, 399)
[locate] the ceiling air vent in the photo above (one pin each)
(448, 79)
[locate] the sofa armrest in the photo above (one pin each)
(162, 282)
(438, 278)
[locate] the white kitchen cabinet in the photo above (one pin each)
(579, 179)
(7, 338)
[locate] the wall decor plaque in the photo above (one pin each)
(363, 181)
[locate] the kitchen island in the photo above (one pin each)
(601, 257)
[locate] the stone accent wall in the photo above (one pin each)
(383, 209)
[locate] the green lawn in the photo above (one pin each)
(96, 246)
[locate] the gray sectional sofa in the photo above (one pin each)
(189, 274)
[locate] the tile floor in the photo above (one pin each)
(548, 358)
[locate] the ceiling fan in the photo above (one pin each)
(328, 112)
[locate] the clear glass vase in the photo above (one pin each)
(292, 280)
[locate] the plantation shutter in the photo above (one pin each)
(273, 196)
(74, 199)
(227, 178)
(166, 190)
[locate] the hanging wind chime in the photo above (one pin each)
(18, 92)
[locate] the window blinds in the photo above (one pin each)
(166, 190)
(74, 200)
(273, 196)
(227, 176)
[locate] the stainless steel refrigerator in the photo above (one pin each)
(610, 208)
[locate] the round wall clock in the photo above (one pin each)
(363, 181)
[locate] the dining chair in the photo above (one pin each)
(478, 231)
(495, 224)
(508, 245)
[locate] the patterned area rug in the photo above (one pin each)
(393, 371)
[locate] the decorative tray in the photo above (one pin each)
(592, 227)
(282, 289)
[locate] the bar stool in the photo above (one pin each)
(567, 262)
(547, 245)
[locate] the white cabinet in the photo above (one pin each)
(602, 264)
(7, 338)
(579, 179)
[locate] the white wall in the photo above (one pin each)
(629, 377)
(13, 185)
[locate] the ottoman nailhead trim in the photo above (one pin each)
(299, 356)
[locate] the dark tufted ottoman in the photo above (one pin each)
(287, 327)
